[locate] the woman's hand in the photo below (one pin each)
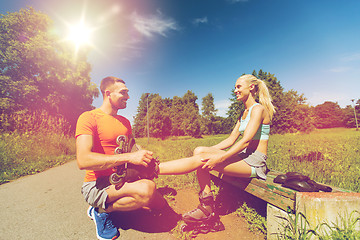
(212, 161)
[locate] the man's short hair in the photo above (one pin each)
(108, 81)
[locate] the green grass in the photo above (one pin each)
(335, 153)
(330, 156)
(29, 153)
(332, 152)
(175, 148)
(296, 227)
(254, 220)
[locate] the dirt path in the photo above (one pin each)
(49, 205)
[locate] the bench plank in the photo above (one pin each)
(268, 191)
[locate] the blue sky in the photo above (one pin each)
(171, 46)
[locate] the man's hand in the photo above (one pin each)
(141, 157)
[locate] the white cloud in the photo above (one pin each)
(132, 50)
(340, 69)
(152, 25)
(112, 11)
(198, 21)
(236, 1)
(317, 98)
(352, 57)
(222, 106)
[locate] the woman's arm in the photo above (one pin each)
(229, 141)
(256, 119)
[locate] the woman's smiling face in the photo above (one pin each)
(242, 89)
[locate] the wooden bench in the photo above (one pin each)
(279, 199)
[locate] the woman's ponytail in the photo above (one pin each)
(263, 92)
(265, 98)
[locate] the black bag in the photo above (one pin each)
(300, 183)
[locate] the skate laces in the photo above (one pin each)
(109, 224)
(107, 221)
(194, 210)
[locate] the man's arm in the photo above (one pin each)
(88, 160)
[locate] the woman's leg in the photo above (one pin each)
(186, 165)
(205, 210)
(234, 167)
(180, 166)
(203, 177)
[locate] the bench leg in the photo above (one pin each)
(275, 223)
(318, 208)
(330, 208)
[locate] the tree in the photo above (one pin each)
(329, 115)
(190, 123)
(292, 114)
(37, 72)
(177, 116)
(177, 108)
(222, 125)
(349, 112)
(235, 110)
(276, 91)
(140, 119)
(208, 114)
(160, 123)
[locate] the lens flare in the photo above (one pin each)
(80, 34)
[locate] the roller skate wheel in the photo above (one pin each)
(118, 150)
(184, 227)
(114, 179)
(120, 139)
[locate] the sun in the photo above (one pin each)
(80, 34)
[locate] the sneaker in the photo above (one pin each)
(89, 212)
(105, 229)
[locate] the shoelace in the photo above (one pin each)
(194, 210)
(109, 224)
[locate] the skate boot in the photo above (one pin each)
(203, 218)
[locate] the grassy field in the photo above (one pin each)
(330, 156)
(30, 153)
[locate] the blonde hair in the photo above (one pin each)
(262, 91)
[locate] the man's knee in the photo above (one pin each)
(145, 191)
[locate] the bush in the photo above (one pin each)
(32, 152)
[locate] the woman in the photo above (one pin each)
(246, 157)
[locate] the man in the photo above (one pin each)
(96, 133)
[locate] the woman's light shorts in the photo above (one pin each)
(256, 160)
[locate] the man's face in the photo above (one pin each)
(118, 95)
